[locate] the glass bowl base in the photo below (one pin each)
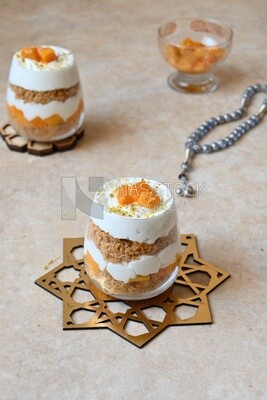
(193, 83)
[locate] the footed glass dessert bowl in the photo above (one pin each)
(194, 47)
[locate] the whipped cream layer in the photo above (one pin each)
(32, 110)
(138, 224)
(144, 265)
(33, 75)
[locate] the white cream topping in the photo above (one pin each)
(33, 110)
(33, 75)
(141, 224)
(107, 196)
(145, 265)
(64, 59)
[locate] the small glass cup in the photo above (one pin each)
(194, 47)
(44, 96)
(132, 252)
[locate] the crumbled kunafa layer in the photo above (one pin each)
(45, 97)
(123, 250)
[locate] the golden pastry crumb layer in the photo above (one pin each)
(123, 250)
(44, 97)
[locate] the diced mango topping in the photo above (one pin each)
(148, 199)
(193, 57)
(31, 53)
(46, 54)
(39, 54)
(124, 196)
(140, 193)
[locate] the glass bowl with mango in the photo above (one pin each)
(194, 47)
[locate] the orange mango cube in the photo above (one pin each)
(193, 57)
(140, 193)
(31, 53)
(46, 54)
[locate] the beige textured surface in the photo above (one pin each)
(135, 125)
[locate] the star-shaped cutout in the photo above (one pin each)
(86, 307)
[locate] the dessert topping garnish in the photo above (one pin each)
(39, 54)
(140, 193)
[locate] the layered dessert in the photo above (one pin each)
(44, 97)
(133, 251)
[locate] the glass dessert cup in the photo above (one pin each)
(133, 252)
(44, 96)
(194, 47)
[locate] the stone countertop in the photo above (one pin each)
(136, 125)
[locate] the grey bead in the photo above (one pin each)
(190, 141)
(222, 143)
(237, 133)
(256, 119)
(251, 122)
(228, 117)
(232, 136)
(234, 115)
(180, 191)
(213, 122)
(215, 146)
(197, 149)
(207, 148)
(245, 127)
(229, 141)
(220, 119)
(245, 101)
(190, 191)
(257, 87)
(209, 125)
(202, 134)
(240, 112)
(189, 145)
(185, 167)
(250, 90)
(195, 135)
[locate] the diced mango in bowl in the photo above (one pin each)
(193, 57)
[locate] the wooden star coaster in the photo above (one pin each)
(85, 307)
(18, 143)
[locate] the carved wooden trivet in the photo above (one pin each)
(85, 307)
(18, 143)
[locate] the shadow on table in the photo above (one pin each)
(228, 75)
(104, 128)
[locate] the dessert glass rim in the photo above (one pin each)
(223, 42)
